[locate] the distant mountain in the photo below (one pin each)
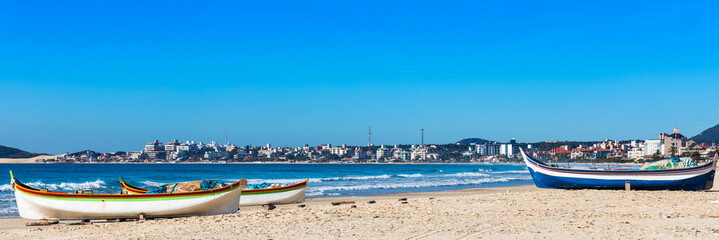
(473, 140)
(8, 152)
(711, 135)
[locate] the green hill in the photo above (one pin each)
(8, 152)
(711, 135)
(473, 140)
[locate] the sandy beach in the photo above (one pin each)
(29, 160)
(520, 212)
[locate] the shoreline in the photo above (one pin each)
(523, 212)
(16, 222)
(513, 212)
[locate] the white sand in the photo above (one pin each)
(525, 212)
(29, 160)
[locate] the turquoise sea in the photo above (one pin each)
(326, 180)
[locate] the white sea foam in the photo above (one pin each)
(466, 174)
(385, 176)
(514, 171)
(150, 183)
(8, 210)
(69, 186)
(280, 181)
(375, 177)
(316, 180)
(416, 175)
(321, 190)
(5, 187)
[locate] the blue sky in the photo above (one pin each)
(78, 75)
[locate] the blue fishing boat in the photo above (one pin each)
(699, 177)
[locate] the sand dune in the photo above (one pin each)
(29, 160)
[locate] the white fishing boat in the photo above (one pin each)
(35, 203)
(294, 193)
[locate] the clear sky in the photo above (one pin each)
(110, 76)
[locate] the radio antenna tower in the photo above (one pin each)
(369, 137)
(226, 142)
(422, 137)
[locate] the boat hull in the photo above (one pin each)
(296, 195)
(700, 182)
(39, 205)
(695, 178)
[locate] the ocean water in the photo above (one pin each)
(326, 180)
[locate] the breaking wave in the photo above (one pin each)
(69, 186)
(410, 175)
(514, 171)
(5, 188)
(322, 190)
(279, 181)
(151, 183)
(438, 174)
(385, 176)
(467, 174)
(8, 211)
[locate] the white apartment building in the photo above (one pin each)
(339, 151)
(652, 146)
(635, 153)
(382, 152)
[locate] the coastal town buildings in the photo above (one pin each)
(666, 145)
(672, 144)
(155, 150)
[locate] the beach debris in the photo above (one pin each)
(52, 220)
(371, 202)
(78, 223)
(343, 202)
(141, 217)
(507, 190)
(404, 202)
(403, 199)
(301, 205)
(627, 186)
(353, 206)
(41, 223)
(269, 206)
(716, 201)
(431, 198)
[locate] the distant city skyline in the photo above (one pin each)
(114, 76)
